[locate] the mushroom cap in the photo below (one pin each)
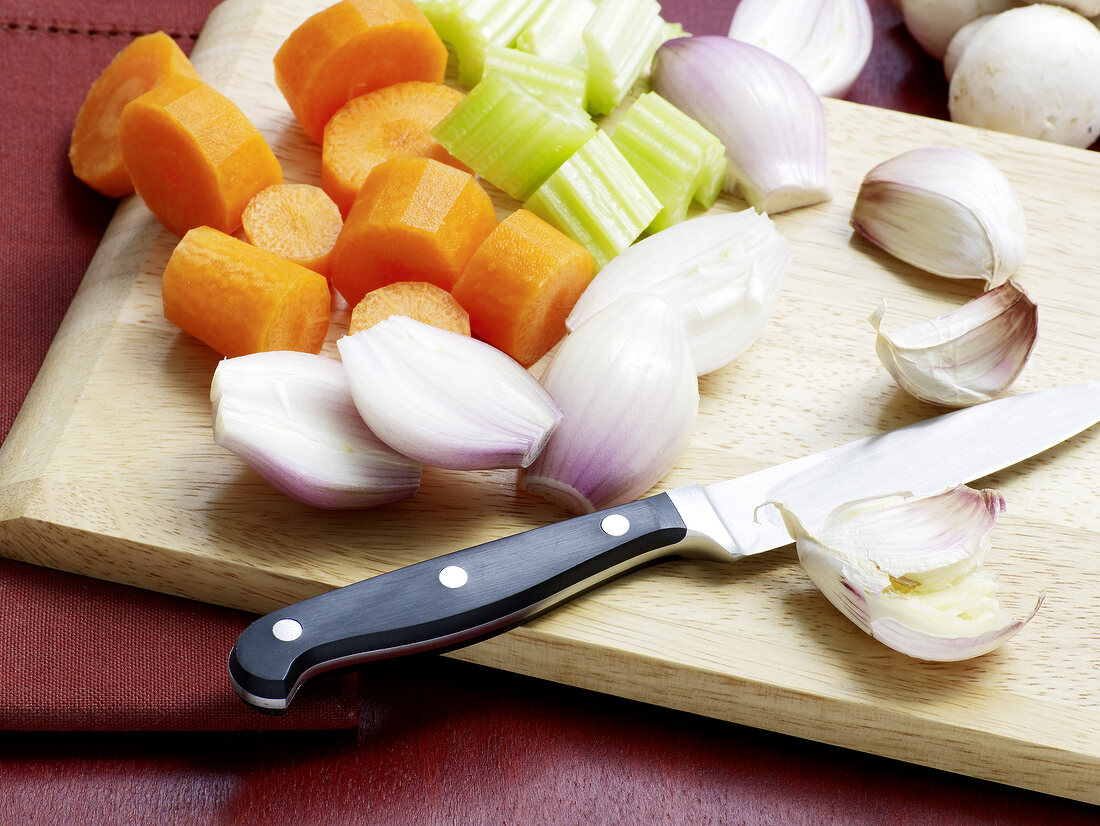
(1031, 71)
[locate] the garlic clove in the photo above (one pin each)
(828, 41)
(626, 383)
(290, 416)
(945, 210)
(908, 570)
(966, 356)
(446, 399)
(722, 273)
(766, 114)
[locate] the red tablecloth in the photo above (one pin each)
(427, 741)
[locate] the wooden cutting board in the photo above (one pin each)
(110, 471)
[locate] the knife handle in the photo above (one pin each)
(449, 601)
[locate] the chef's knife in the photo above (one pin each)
(465, 596)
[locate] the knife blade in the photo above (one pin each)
(468, 595)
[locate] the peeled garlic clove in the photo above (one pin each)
(908, 570)
(828, 41)
(945, 210)
(966, 356)
(766, 114)
(627, 386)
(446, 399)
(721, 273)
(290, 416)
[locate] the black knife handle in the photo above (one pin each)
(449, 601)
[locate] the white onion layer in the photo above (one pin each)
(626, 382)
(446, 399)
(290, 417)
(721, 273)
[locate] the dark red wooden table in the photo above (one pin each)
(432, 741)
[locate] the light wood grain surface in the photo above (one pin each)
(110, 471)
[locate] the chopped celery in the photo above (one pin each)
(597, 198)
(556, 31)
(677, 158)
(539, 75)
(510, 137)
(470, 26)
(620, 39)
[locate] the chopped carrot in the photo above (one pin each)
(194, 157)
(94, 150)
(298, 222)
(239, 299)
(418, 300)
(351, 48)
(390, 122)
(414, 219)
(521, 284)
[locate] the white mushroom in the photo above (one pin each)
(933, 23)
(1088, 8)
(959, 43)
(1031, 71)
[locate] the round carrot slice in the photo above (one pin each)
(94, 149)
(351, 48)
(418, 300)
(391, 122)
(298, 222)
(415, 219)
(194, 157)
(521, 283)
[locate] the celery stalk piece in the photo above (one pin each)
(511, 137)
(471, 25)
(620, 38)
(556, 32)
(539, 75)
(597, 198)
(678, 159)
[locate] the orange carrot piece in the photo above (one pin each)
(351, 48)
(94, 150)
(394, 121)
(521, 284)
(239, 299)
(418, 300)
(415, 219)
(194, 157)
(298, 222)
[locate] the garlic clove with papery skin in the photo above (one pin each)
(828, 41)
(290, 417)
(908, 570)
(966, 356)
(626, 384)
(946, 210)
(766, 114)
(446, 399)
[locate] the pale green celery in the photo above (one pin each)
(620, 39)
(510, 137)
(677, 158)
(540, 76)
(597, 198)
(470, 26)
(556, 32)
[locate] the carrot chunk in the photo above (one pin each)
(194, 157)
(390, 122)
(415, 219)
(298, 222)
(521, 283)
(239, 299)
(94, 149)
(351, 48)
(418, 300)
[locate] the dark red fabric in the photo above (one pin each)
(430, 741)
